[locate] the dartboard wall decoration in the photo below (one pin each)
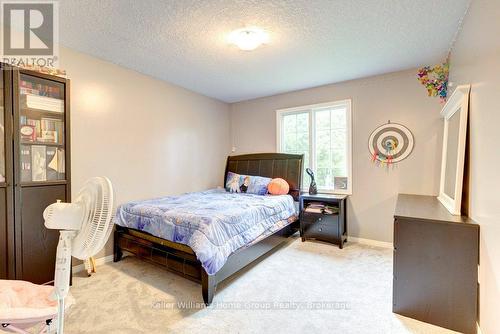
(390, 143)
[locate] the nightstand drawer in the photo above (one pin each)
(324, 231)
(319, 218)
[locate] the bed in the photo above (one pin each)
(183, 233)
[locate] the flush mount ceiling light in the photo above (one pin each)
(249, 38)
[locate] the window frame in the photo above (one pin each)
(311, 110)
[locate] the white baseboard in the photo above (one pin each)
(98, 262)
(370, 242)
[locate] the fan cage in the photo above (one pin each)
(97, 199)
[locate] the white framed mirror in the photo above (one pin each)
(455, 114)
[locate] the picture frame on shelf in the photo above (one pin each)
(28, 133)
(38, 163)
(49, 136)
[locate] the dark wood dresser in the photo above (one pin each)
(436, 257)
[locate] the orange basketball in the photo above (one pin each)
(278, 187)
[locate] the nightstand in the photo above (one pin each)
(328, 225)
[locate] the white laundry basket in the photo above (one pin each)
(24, 305)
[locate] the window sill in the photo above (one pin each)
(331, 192)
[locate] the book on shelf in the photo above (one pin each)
(319, 207)
(313, 210)
(43, 103)
(48, 136)
(26, 91)
(44, 130)
(25, 162)
(331, 210)
(28, 87)
(51, 130)
(315, 207)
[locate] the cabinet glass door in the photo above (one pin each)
(4, 260)
(2, 130)
(41, 133)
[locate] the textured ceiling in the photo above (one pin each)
(313, 42)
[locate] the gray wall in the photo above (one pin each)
(151, 138)
(475, 60)
(398, 97)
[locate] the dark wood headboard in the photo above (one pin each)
(285, 166)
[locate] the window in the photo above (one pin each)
(322, 132)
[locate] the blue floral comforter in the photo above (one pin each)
(214, 223)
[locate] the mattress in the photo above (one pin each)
(214, 223)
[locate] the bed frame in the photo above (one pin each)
(181, 259)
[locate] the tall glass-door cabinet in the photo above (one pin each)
(39, 163)
(6, 165)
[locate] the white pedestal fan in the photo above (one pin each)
(85, 226)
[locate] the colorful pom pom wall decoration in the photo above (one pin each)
(435, 79)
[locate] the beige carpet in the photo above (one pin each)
(335, 291)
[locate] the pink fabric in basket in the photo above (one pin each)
(24, 300)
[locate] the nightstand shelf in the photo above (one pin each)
(329, 227)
